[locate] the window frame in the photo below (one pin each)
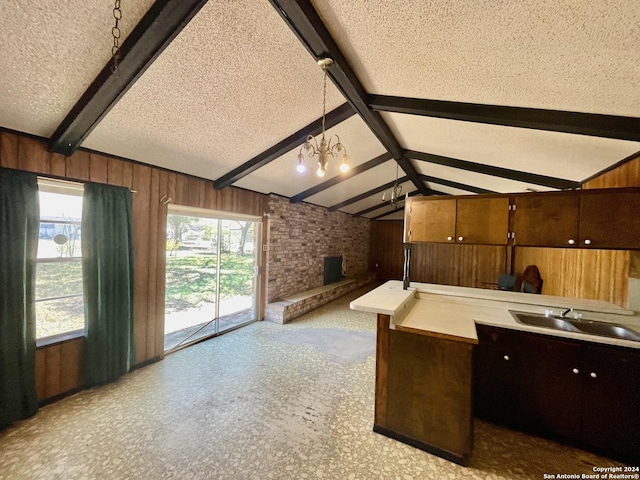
(63, 187)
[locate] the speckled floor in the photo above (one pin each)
(249, 406)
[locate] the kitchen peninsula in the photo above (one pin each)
(426, 336)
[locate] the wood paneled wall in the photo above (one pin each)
(386, 254)
(62, 363)
(58, 368)
(457, 264)
(579, 273)
(443, 263)
(625, 175)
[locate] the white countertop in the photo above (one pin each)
(452, 312)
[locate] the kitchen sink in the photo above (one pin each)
(543, 321)
(607, 330)
(555, 322)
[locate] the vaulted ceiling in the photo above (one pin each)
(459, 97)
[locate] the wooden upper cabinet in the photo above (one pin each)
(547, 220)
(610, 219)
(428, 220)
(606, 219)
(482, 220)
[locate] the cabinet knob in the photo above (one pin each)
(587, 242)
(576, 371)
(593, 375)
(460, 239)
(571, 241)
(449, 238)
(506, 357)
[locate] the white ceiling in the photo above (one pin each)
(573, 55)
(236, 81)
(555, 154)
(50, 51)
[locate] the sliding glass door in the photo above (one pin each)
(211, 275)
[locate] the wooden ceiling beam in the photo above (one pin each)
(363, 167)
(592, 124)
(307, 25)
(159, 26)
(460, 186)
(364, 195)
(382, 215)
(332, 118)
(381, 189)
(532, 178)
(387, 203)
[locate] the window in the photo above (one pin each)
(59, 301)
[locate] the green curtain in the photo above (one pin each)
(107, 272)
(19, 226)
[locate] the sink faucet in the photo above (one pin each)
(575, 315)
(566, 312)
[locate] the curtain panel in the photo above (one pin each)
(107, 271)
(19, 227)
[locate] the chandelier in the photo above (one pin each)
(324, 148)
(396, 191)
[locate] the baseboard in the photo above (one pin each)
(447, 455)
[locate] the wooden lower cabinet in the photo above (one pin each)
(424, 392)
(578, 391)
(495, 374)
(611, 401)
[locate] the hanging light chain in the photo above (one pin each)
(115, 33)
(324, 97)
(323, 148)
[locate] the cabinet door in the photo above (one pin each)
(496, 375)
(430, 220)
(550, 385)
(611, 415)
(610, 220)
(547, 220)
(482, 220)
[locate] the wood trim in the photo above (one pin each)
(382, 369)
(425, 447)
(596, 125)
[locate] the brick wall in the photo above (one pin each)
(301, 235)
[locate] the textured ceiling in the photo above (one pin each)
(356, 185)
(571, 55)
(488, 182)
(375, 199)
(236, 81)
(280, 176)
(233, 83)
(50, 51)
(562, 155)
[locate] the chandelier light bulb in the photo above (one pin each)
(301, 168)
(321, 147)
(344, 166)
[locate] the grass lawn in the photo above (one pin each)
(190, 281)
